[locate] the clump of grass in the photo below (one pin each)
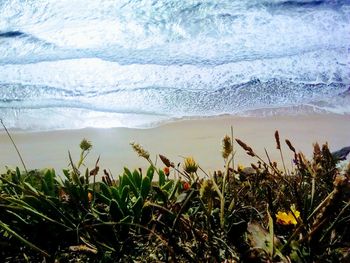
(236, 214)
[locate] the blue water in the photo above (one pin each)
(138, 63)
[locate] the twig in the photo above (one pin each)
(14, 144)
(284, 165)
(233, 168)
(278, 147)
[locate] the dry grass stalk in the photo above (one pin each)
(254, 167)
(277, 138)
(327, 207)
(317, 150)
(248, 149)
(166, 161)
(278, 147)
(291, 147)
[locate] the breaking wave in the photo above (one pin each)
(139, 63)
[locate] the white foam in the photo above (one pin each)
(134, 63)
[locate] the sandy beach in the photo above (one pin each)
(198, 138)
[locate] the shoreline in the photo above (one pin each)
(200, 138)
(258, 113)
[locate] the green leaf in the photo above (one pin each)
(181, 197)
(129, 181)
(15, 176)
(32, 201)
(167, 186)
(174, 189)
(146, 215)
(100, 215)
(67, 174)
(126, 220)
(48, 186)
(103, 198)
(127, 172)
(22, 239)
(137, 208)
(59, 182)
(121, 202)
(28, 186)
(123, 199)
(115, 193)
(105, 190)
(182, 209)
(150, 173)
(45, 188)
(161, 178)
(271, 242)
(125, 192)
(115, 211)
(34, 211)
(75, 178)
(52, 173)
(160, 194)
(18, 174)
(121, 181)
(137, 178)
(145, 187)
(86, 177)
(20, 218)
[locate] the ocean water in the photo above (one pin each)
(138, 63)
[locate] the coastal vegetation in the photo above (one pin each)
(177, 212)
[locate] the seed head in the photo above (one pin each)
(140, 150)
(278, 143)
(290, 146)
(166, 161)
(227, 147)
(248, 149)
(85, 145)
(206, 190)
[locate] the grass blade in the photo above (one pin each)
(22, 239)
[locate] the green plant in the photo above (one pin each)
(259, 213)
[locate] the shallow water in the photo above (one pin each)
(74, 64)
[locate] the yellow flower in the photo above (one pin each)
(240, 167)
(288, 219)
(295, 212)
(190, 165)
